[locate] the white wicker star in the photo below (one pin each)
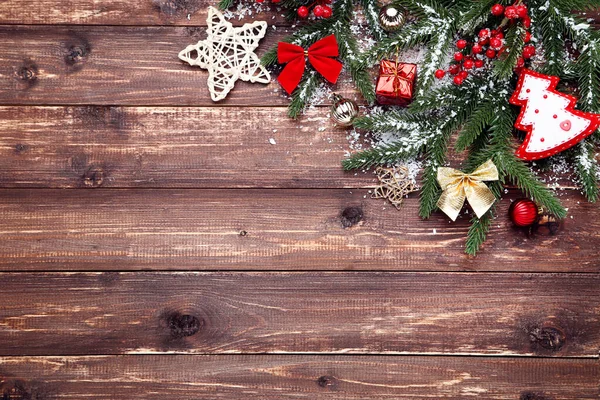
(228, 54)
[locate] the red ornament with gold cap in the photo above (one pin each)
(523, 212)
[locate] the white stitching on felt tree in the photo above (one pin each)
(548, 117)
(228, 54)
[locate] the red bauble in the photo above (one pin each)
(477, 49)
(523, 212)
(303, 11)
(440, 73)
(497, 10)
(510, 12)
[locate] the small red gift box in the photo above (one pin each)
(396, 82)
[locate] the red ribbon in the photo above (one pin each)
(320, 55)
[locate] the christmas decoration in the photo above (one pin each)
(523, 212)
(392, 17)
(394, 185)
(548, 117)
(343, 111)
(228, 54)
(395, 84)
(458, 186)
(320, 55)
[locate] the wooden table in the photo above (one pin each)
(155, 245)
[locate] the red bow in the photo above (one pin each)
(320, 55)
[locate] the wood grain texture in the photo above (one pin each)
(171, 147)
(178, 147)
(317, 312)
(125, 12)
(271, 230)
(117, 66)
(293, 377)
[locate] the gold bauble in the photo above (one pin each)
(343, 111)
(392, 17)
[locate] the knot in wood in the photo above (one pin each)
(549, 338)
(76, 54)
(93, 177)
(26, 73)
(351, 216)
(184, 325)
(326, 381)
(15, 390)
(19, 148)
(532, 396)
(243, 233)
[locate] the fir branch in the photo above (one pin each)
(371, 9)
(475, 125)
(476, 14)
(302, 94)
(550, 30)
(436, 51)
(587, 170)
(225, 4)
(478, 231)
(425, 9)
(504, 66)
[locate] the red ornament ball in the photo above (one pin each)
(440, 73)
(490, 53)
(522, 11)
(476, 49)
(497, 10)
(458, 80)
(479, 63)
(461, 44)
(454, 69)
(468, 64)
(327, 12)
(523, 212)
(458, 56)
(318, 11)
(302, 11)
(510, 12)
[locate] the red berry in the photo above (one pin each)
(518, 70)
(495, 43)
(477, 49)
(527, 37)
(484, 42)
(260, 1)
(520, 62)
(468, 64)
(463, 74)
(327, 12)
(328, 1)
(453, 69)
(458, 56)
(318, 11)
(302, 11)
(484, 33)
(479, 63)
(275, 1)
(510, 12)
(458, 80)
(521, 11)
(461, 44)
(529, 51)
(527, 22)
(497, 9)
(490, 53)
(440, 73)
(499, 35)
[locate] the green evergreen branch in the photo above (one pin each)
(506, 63)
(225, 4)
(478, 231)
(475, 125)
(303, 93)
(587, 170)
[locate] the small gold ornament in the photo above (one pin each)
(458, 186)
(343, 111)
(392, 17)
(394, 185)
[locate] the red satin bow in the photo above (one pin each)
(320, 55)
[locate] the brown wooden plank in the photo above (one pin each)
(126, 12)
(304, 377)
(116, 66)
(336, 312)
(170, 147)
(272, 230)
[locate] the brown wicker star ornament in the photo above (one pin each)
(394, 185)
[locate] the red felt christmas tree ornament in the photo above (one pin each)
(549, 118)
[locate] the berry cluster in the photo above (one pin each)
(272, 1)
(320, 9)
(490, 44)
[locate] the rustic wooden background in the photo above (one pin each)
(156, 246)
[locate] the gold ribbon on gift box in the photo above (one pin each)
(458, 186)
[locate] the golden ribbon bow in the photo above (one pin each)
(457, 186)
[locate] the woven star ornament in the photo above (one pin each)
(228, 54)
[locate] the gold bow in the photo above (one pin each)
(457, 186)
